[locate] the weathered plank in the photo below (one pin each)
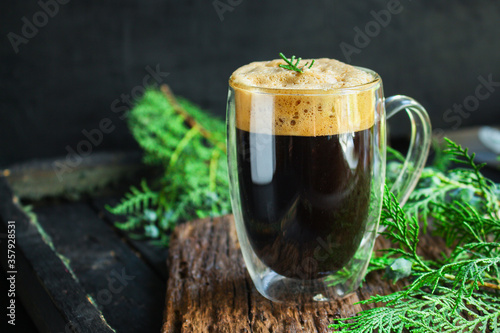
(61, 304)
(59, 178)
(154, 255)
(209, 289)
(126, 290)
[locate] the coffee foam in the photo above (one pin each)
(273, 100)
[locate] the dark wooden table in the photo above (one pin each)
(76, 272)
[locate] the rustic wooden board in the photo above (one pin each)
(77, 272)
(209, 289)
(122, 286)
(38, 179)
(62, 305)
(154, 255)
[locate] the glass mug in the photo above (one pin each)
(307, 207)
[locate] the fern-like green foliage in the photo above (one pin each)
(193, 183)
(459, 292)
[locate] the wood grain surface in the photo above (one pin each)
(209, 289)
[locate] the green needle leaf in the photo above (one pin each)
(293, 66)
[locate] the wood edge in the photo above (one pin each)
(48, 311)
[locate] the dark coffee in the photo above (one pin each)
(304, 199)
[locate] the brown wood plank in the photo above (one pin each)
(209, 289)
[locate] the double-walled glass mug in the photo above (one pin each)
(307, 171)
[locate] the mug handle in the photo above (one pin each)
(420, 142)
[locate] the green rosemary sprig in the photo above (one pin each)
(294, 66)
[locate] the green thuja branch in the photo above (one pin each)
(188, 146)
(458, 292)
(401, 230)
(426, 312)
(484, 186)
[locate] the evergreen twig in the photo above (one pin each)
(455, 293)
(292, 63)
(188, 145)
(189, 118)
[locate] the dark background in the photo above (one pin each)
(66, 77)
